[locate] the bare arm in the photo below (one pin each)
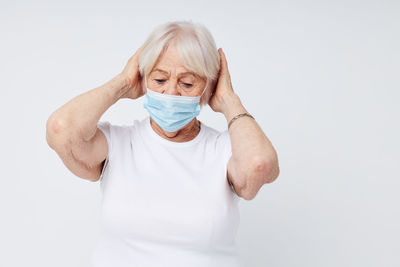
(254, 161)
(72, 130)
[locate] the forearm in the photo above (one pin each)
(79, 116)
(252, 151)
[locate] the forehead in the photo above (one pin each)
(170, 61)
(179, 73)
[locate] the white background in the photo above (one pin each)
(320, 77)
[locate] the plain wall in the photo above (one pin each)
(320, 77)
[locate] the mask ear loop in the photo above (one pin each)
(203, 92)
(145, 81)
(204, 89)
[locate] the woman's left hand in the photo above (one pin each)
(224, 90)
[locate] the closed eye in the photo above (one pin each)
(187, 84)
(161, 81)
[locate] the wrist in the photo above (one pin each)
(118, 85)
(233, 107)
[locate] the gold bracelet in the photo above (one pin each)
(238, 116)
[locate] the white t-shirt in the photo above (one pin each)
(166, 203)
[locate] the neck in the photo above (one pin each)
(185, 134)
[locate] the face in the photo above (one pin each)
(170, 77)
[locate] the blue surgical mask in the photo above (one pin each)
(171, 112)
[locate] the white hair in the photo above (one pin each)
(196, 48)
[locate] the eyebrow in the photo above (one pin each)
(180, 74)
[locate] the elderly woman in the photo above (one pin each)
(170, 184)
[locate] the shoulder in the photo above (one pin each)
(112, 131)
(219, 139)
(119, 138)
(117, 135)
(109, 128)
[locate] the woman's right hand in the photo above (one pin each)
(132, 76)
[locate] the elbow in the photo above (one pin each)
(255, 178)
(262, 172)
(266, 170)
(54, 128)
(54, 124)
(275, 173)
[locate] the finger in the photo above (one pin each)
(134, 58)
(223, 62)
(137, 52)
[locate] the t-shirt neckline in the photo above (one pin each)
(160, 139)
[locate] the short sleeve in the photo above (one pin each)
(105, 127)
(224, 144)
(118, 140)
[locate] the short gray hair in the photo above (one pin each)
(196, 48)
